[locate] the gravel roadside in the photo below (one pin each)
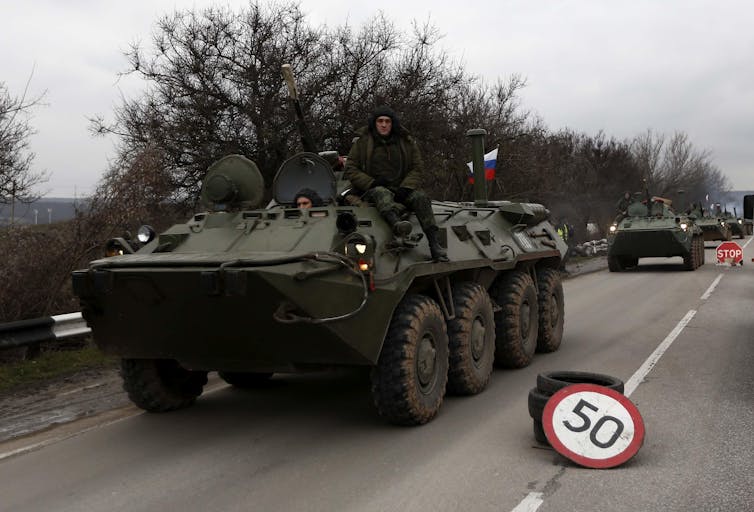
(92, 392)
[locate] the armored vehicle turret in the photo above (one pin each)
(250, 291)
(651, 228)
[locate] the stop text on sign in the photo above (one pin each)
(729, 252)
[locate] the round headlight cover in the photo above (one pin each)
(145, 234)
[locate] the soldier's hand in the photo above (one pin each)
(379, 182)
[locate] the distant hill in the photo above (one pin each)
(44, 211)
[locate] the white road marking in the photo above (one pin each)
(529, 504)
(651, 361)
(748, 242)
(711, 288)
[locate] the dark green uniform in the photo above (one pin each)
(389, 170)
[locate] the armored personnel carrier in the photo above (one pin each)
(735, 224)
(250, 291)
(713, 224)
(651, 229)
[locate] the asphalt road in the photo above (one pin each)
(315, 443)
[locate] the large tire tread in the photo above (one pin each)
(161, 385)
(396, 389)
(467, 375)
(551, 310)
(513, 350)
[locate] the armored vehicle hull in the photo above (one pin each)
(714, 228)
(662, 235)
(251, 291)
(736, 227)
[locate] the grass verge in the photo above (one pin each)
(50, 365)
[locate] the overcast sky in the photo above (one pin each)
(619, 66)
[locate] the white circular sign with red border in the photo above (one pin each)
(593, 426)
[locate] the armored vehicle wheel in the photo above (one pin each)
(614, 264)
(245, 380)
(629, 262)
(160, 385)
(471, 337)
(551, 310)
(408, 383)
(691, 260)
(517, 322)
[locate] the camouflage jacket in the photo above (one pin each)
(398, 160)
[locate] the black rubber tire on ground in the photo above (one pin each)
(161, 385)
(246, 380)
(536, 403)
(539, 432)
(629, 262)
(408, 382)
(471, 339)
(614, 264)
(517, 322)
(549, 383)
(551, 310)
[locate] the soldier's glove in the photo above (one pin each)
(402, 194)
(379, 182)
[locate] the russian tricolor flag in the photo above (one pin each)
(490, 161)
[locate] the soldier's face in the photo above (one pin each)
(384, 125)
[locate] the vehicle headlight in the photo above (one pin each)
(684, 226)
(613, 228)
(145, 234)
(360, 249)
(740, 221)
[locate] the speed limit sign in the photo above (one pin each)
(592, 425)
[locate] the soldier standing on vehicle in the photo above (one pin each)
(622, 206)
(385, 165)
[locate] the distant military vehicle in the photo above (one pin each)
(735, 224)
(251, 291)
(651, 228)
(713, 224)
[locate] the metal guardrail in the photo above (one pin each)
(49, 328)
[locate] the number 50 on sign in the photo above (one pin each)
(592, 425)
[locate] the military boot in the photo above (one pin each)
(400, 227)
(437, 251)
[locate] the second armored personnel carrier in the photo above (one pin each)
(651, 229)
(251, 291)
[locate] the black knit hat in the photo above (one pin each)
(309, 194)
(380, 111)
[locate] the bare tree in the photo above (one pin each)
(17, 179)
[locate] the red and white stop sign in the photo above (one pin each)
(729, 252)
